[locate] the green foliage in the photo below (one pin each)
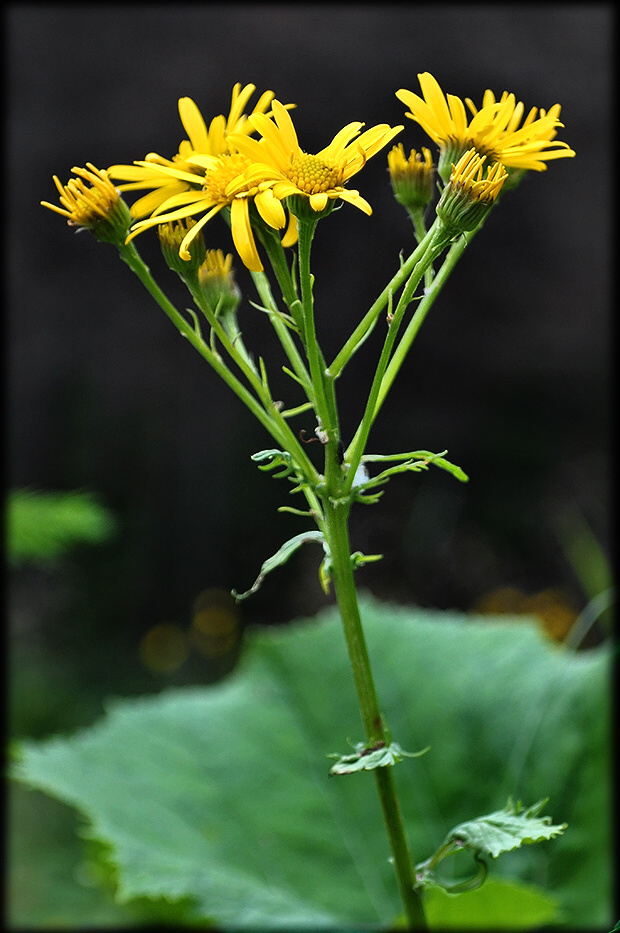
(367, 759)
(497, 905)
(489, 836)
(505, 830)
(221, 795)
(280, 557)
(44, 525)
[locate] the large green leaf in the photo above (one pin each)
(497, 905)
(222, 794)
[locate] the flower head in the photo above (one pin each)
(469, 195)
(280, 168)
(412, 177)
(493, 130)
(96, 206)
(195, 180)
(203, 140)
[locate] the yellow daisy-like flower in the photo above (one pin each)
(203, 140)
(493, 130)
(280, 168)
(218, 172)
(92, 201)
(469, 195)
(196, 179)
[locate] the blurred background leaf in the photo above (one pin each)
(44, 525)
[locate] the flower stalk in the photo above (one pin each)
(254, 184)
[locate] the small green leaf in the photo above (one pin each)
(505, 829)
(357, 558)
(456, 471)
(276, 459)
(290, 412)
(280, 557)
(414, 461)
(367, 759)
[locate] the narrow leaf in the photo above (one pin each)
(280, 557)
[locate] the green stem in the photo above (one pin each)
(353, 456)
(456, 251)
(337, 535)
(419, 225)
(283, 332)
(275, 251)
(324, 395)
(365, 326)
(333, 522)
(226, 324)
(265, 413)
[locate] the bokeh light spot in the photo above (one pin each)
(164, 648)
(215, 623)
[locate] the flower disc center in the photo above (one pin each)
(312, 175)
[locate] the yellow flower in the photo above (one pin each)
(281, 169)
(202, 140)
(469, 196)
(412, 178)
(493, 129)
(217, 174)
(196, 179)
(96, 206)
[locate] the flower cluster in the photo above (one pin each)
(251, 168)
(222, 167)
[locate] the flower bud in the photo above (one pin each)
(468, 196)
(98, 208)
(412, 178)
(217, 283)
(171, 235)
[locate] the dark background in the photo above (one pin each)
(510, 371)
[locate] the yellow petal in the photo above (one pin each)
(242, 235)
(270, 209)
(151, 201)
(184, 252)
(355, 198)
(194, 125)
(291, 236)
(318, 202)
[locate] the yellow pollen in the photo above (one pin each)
(218, 178)
(312, 175)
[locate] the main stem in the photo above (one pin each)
(337, 533)
(334, 524)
